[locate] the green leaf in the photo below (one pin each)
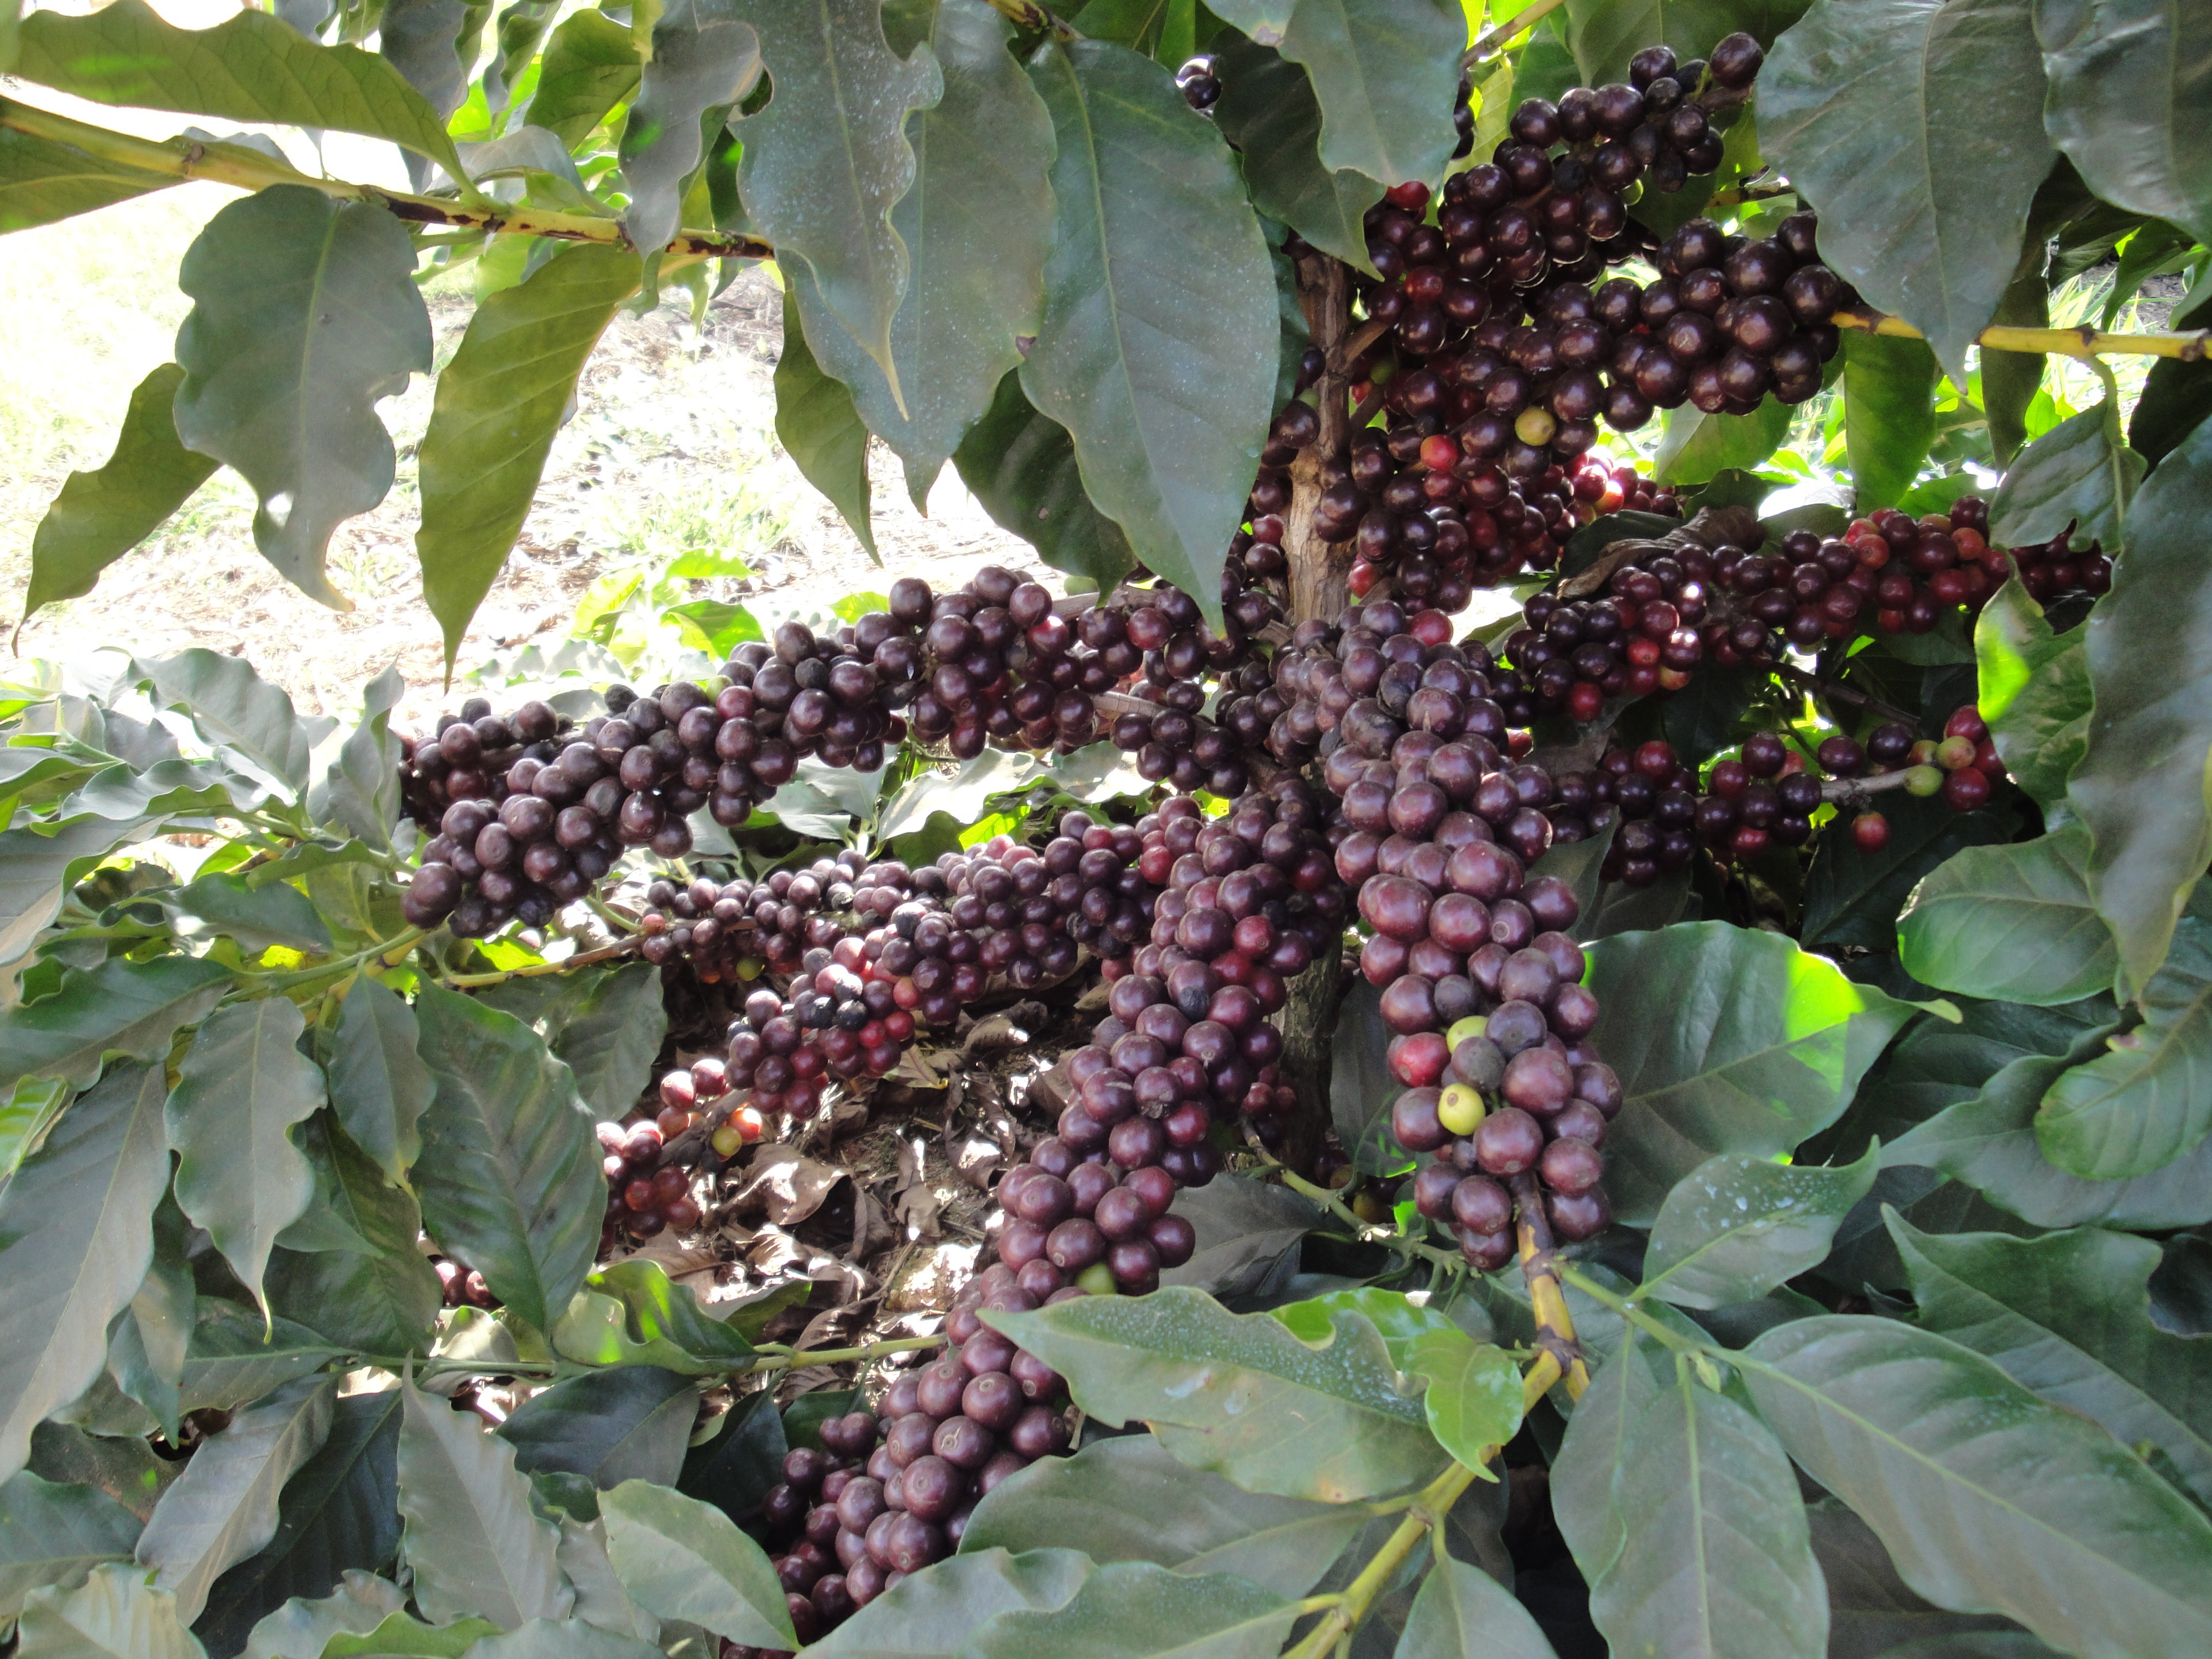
(304, 313)
(382, 1299)
(935, 1614)
(630, 1423)
(1605, 36)
(126, 1470)
(1473, 1401)
(421, 39)
(828, 158)
(76, 1231)
(977, 223)
(565, 1638)
(702, 56)
(232, 1358)
(632, 1314)
(2033, 692)
(2067, 1316)
(33, 1105)
(611, 1041)
(1268, 111)
(590, 66)
(1905, 1427)
(52, 1534)
(113, 1614)
(1736, 1227)
(240, 1088)
(378, 1084)
(1134, 1610)
(1263, 20)
(1853, 897)
(224, 1508)
(339, 1518)
(2078, 474)
(820, 427)
(256, 917)
(121, 1006)
(148, 1344)
(2011, 922)
(1872, 1611)
(1889, 414)
(499, 403)
(2177, 397)
(1385, 73)
(2141, 786)
(2148, 1101)
(1150, 211)
(2010, 379)
(302, 1626)
(361, 789)
(43, 180)
(248, 67)
(1402, 1323)
(1915, 127)
(1726, 1040)
(1246, 1229)
(1695, 447)
(1461, 1610)
(1128, 1500)
(233, 707)
(682, 1559)
(1714, 1558)
(99, 516)
(401, 1634)
(2130, 88)
(509, 1176)
(470, 1538)
(1022, 466)
(1239, 1395)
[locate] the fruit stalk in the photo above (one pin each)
(1555, 1326)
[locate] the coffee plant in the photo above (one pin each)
(1596, 858)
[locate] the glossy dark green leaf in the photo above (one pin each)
(1873, 1613)
(126, 1470)
(2177, 397)
(1384, 72)
(122, 1006)
(304, 313)
(232, 1356)
(100, 515)
(2148, 1101)
(1128, 1500)
(42, 181)
(148, 1343)
(682, 1559)
(820, 429)
(240, 1088)
(1218, 1389)
(1461, 1609)
(233, 707)
(113, 1611)
(361, 789)
(630, 1423)
(828, 159)
(1168, 401)
(977, 223)
(590, 66)
(2033, 692)
(509, 1176)
(1694, 446)
(421, 39)
(1916, 128)
(256, 917)
(611, 1041)
(2140, 787)
(2010, 379)
(250, 67)
(378, 1083)
(380, 1300)
(1246, 1229)
(1268, 111)
(224, 1508)
(2068, 1317)
(1714, 1556)
(1852, 897)
(337, 1520)
(499, 402)
(1022, 466)
(52, 1534)
(1889, 414)
(1726, 1040)
(470, 1539)
(301, 1627)
(1134, 1610)
(76, 1231)
(2131, 89)
(1604, 37)
(742, 1458)
(560, 1639)
(704, 56)
(1587, 1473)
(2079, 473)
(935, 1614)
(2011, 923)
(1736, 1227)
(1953, 1464)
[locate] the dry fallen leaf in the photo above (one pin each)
(916, 1205)
(785, 1183)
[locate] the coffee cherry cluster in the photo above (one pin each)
(1172, 738)
(730, 930)
(852, 1520)
(649, 1190)
(453, 764)
(2057, 568)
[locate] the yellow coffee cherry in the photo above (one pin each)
(1460, 1109)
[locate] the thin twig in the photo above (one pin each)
(468, 982)
(1849, 696)
(1499, 33)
